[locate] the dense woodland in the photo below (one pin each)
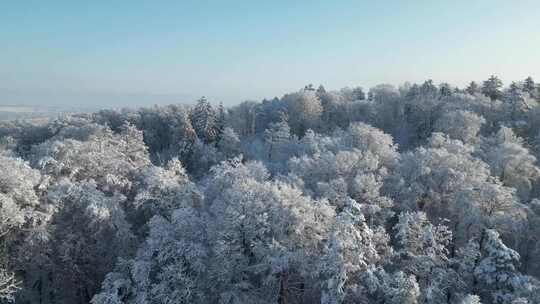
(426, 193)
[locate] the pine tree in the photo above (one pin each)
(429, 89)
(445, 90)
(276, 135)
(229, 143)
(529, 86)
(321, 90)
(358, 94)
(492, 88)
(204, 121)
(498, 267)
(309, 87)
(473, 88)
(221, 120)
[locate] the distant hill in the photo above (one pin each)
(13, 112)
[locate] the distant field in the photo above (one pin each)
(12, 112)
(17, 109)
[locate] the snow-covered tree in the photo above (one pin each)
(512, 162)
(266, 235)
(358, 93)
(515, 101)
(424, 252)
(393, 288)
(276, 137)
(492, 88)
(243, 118)
(462, 125)
(22, 217)
(89, 233)
(18, 198)
(229, 143)
(529, 86)
(160, 191)
(304, 110)
(367, 138)
(447, 181)
(110, 159)
(167, 131)
(8, 286)
(301, 199)
(473, 88)
(445, 90)
(353, 249)
(498, 267)
(471, 299)
(205, 121)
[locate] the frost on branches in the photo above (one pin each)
(425, 193)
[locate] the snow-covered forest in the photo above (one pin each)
(426, 193)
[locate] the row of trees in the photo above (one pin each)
(416, 194)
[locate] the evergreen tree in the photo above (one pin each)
(205, 121)
(221, 119)
(358, 94)
(445, 90)
(473, 88)
(275, 136)
(529, 86)
(321, 90)
(492, 88)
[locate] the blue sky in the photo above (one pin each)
(129, 53)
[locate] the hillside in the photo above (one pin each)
(426, 193)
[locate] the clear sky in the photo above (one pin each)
(122, 53)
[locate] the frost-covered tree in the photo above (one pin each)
(258, 242)
(160, 191)
(167, 131)
(270, 234)
(529, 86)
(89, 232)
(169, 267)
(492, 88)
(229, 143)
(18, 197)
(8, 286)
(512, 162)
(243, 118)
(394, 288)
(389, 111)
(530, 244)
(367, 138)
(424, 252)
(462, 125)
(429, 89)
(445, 90)
(353, 250)
(351, 165)
(276, 138)
(301, 199)
(498, 268)
(110, 159)
(358, 93)
(473, 88)
(22, 218)
(221, 119)
(471, 299)
(205, 121)
(304, 110)
(447, 181)
(516, 101)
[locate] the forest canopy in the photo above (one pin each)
(423, 193)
